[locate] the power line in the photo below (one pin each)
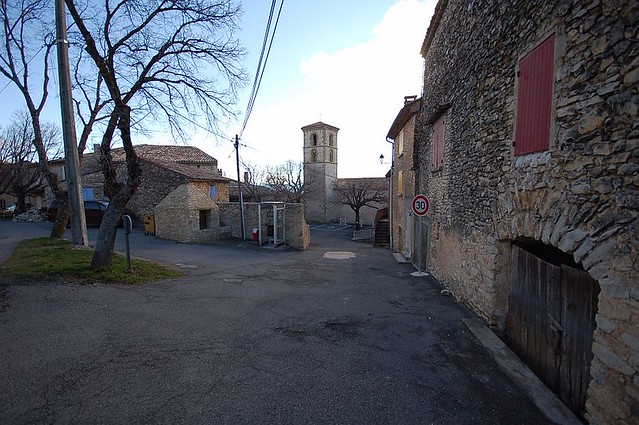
(261, 66)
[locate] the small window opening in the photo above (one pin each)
(205, 216)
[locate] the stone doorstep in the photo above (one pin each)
(545, 400)
(401, 258)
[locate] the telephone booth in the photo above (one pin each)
(272, 218)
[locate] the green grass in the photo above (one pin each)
(57, 259)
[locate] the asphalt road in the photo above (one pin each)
(340, 333)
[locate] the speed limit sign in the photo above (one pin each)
(420, 205)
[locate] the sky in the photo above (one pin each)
(347, 63)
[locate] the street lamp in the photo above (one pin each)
(381, 159)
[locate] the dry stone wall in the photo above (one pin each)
(297, 230)
(178, 216)
(581, 196)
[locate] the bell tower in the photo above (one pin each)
(320, 169)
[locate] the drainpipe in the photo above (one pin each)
(390, 193)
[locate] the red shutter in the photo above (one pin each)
(534, 99)
(438, 142)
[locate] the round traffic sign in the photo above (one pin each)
(420, 204)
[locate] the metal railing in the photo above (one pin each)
(359, 235)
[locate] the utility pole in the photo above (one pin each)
(78, 219)
(239, 184)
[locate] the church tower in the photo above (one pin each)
(320, 170)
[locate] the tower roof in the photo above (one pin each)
(318, 126)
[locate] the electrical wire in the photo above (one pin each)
(261, 66)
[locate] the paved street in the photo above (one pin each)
(249, 336)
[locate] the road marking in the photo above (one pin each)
(329, 227)
(339, 255)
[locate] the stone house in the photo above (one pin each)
(527, 145)
(320, 179)
(164, 169)
(188, 215)
(402, 175)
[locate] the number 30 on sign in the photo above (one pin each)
(421, 205)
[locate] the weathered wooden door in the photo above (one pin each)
(551, 320)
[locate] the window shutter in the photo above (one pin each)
(438, 142)
(534, 99)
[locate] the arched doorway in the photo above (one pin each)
(551, 318)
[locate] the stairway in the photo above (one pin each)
(382, 233)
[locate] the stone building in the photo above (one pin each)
(527, 145)
(164, 169)
(320, 179)
(402, 174)
(188, 215)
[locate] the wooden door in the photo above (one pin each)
(550, 323)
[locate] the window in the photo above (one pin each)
(88, 194)
(400, 183)
(330, 139)
(204, 219)
(534, 99)
(313, 155)
(212, 191)
(439, 133)
(400, 142)
(314, 139)
(331, 156)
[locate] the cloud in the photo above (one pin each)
(359, 89)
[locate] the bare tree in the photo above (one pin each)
(253, 185)
(20, 174)
(28, 33)
(164, 59)
(287, 181)
(359, 193)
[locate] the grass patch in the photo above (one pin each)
(55, 259)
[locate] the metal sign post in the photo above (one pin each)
(128, 225)
(420, 205)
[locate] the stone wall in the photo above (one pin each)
(404, 190)
(297, 230)
(581, 195)
(178, 216)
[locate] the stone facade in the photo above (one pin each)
(402, 132)
(188, 215)
(298, 233)
(581, 195)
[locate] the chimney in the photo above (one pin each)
(408, 99)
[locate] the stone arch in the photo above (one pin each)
(331, 156)
(314, 138)
(331, 140)
(598, 234)
(313, 155)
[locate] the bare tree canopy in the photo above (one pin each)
(27, 38)
(359, 193)
(19, 171)
(165, 60)
(287, 180)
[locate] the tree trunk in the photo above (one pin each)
(61, 219)
(119, 194)
(357, 225)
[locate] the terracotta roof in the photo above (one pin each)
(194, 172)
(186, 160)
(319, 125)
(409, 109)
